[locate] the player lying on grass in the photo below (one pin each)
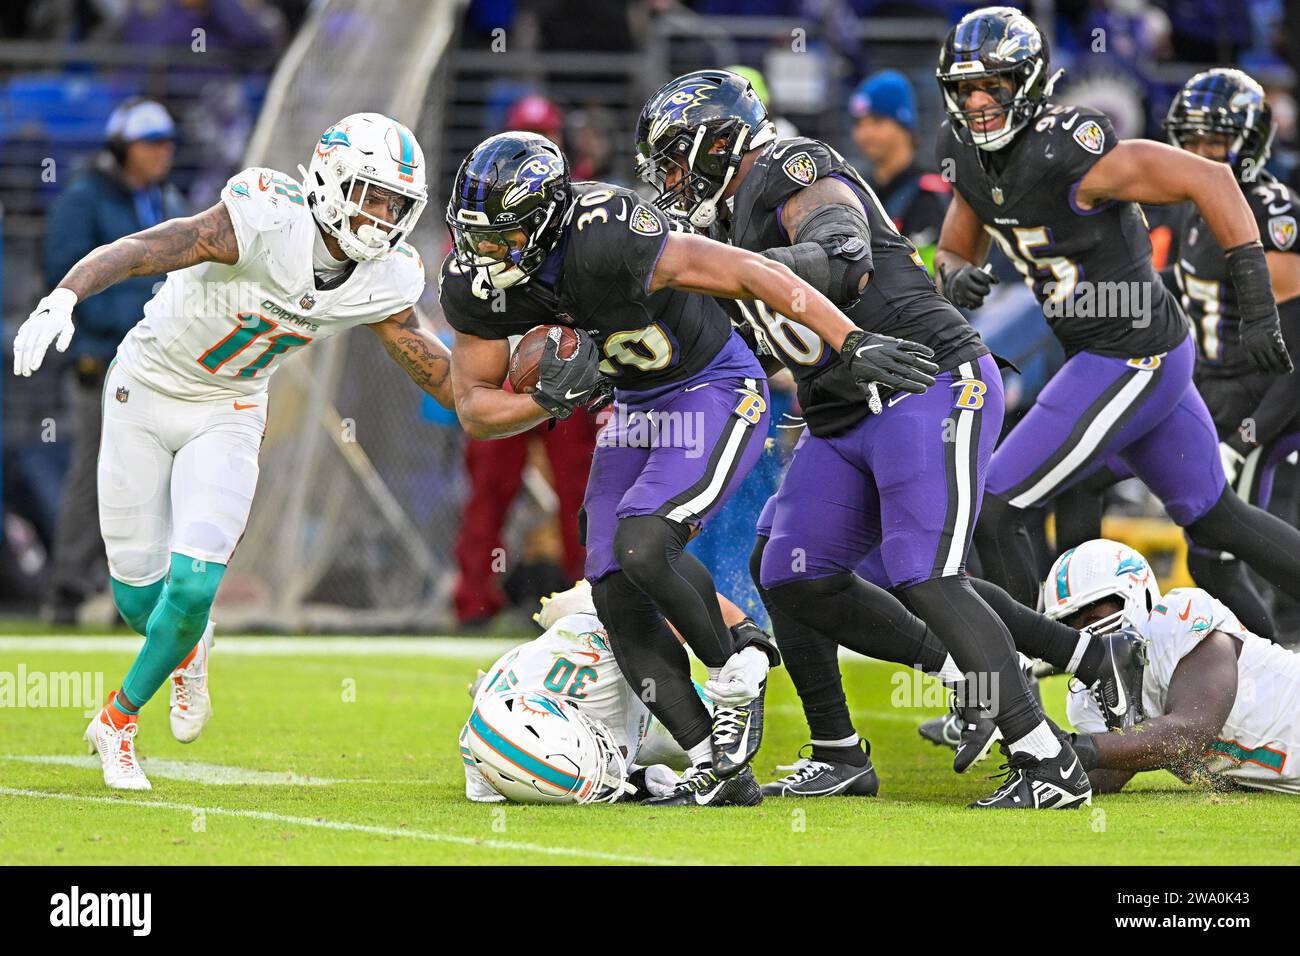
(1195, 693)
(572, 662)
(271, 268)
(529, 248)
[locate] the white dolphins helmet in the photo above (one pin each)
(535, 747)
(1100, 569)
(376, 152)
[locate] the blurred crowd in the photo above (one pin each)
(872, 96)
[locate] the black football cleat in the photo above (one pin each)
(737, 734)
(979, 733)
(942, 731)
(970, 731)
(1055, 783)
(704, 788)
(820, 778)
(1118, 690)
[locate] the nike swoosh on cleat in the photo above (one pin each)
(738, 754)
(1068, 772)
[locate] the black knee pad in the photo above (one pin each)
(643, 545)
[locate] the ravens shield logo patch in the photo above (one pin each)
(801, 168)
(1282, 230)
(644, 222)
(1091, 137)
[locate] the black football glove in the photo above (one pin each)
(564, 384)
(1261, 333)
(602, 396)
(1266, 347)
(899, 364)
(967, 287)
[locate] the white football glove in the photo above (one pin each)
(1232, 462)
(741, 679)
(661, 780)
(51, 321)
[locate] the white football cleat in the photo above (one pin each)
(191, 704)
(116, 749)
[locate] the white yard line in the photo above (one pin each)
(192, 771)
(347, 827)
(455, 648)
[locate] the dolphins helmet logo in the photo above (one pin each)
(332, 139)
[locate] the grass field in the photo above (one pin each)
(331, 751)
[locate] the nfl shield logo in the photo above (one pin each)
(800, 168)
(996, 191)
(307, 301)
(122, 394)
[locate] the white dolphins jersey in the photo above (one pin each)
(214, 331)
(572, 659)
(1259, 745)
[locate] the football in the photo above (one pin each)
(526, 360)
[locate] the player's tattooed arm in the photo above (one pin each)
(166, 247)
(696, 264)
(421, 355)
(485, 409)
(1202, 691)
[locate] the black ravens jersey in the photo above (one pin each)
(899, 300)
(1201, 271)
(596, 280)
(1090, 269)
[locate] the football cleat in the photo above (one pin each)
(116, 749)
(737, 734)
(702, 787)
(979, 733)
(191, 704)
(1118, 690)
(819, 778)
(1054, 783)
(943, 731)
(970, 731)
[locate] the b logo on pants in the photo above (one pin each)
(751, 407)
(971, 395)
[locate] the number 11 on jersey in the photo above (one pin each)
(250, 328)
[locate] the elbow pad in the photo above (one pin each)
(831, 252)
(845, 237)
